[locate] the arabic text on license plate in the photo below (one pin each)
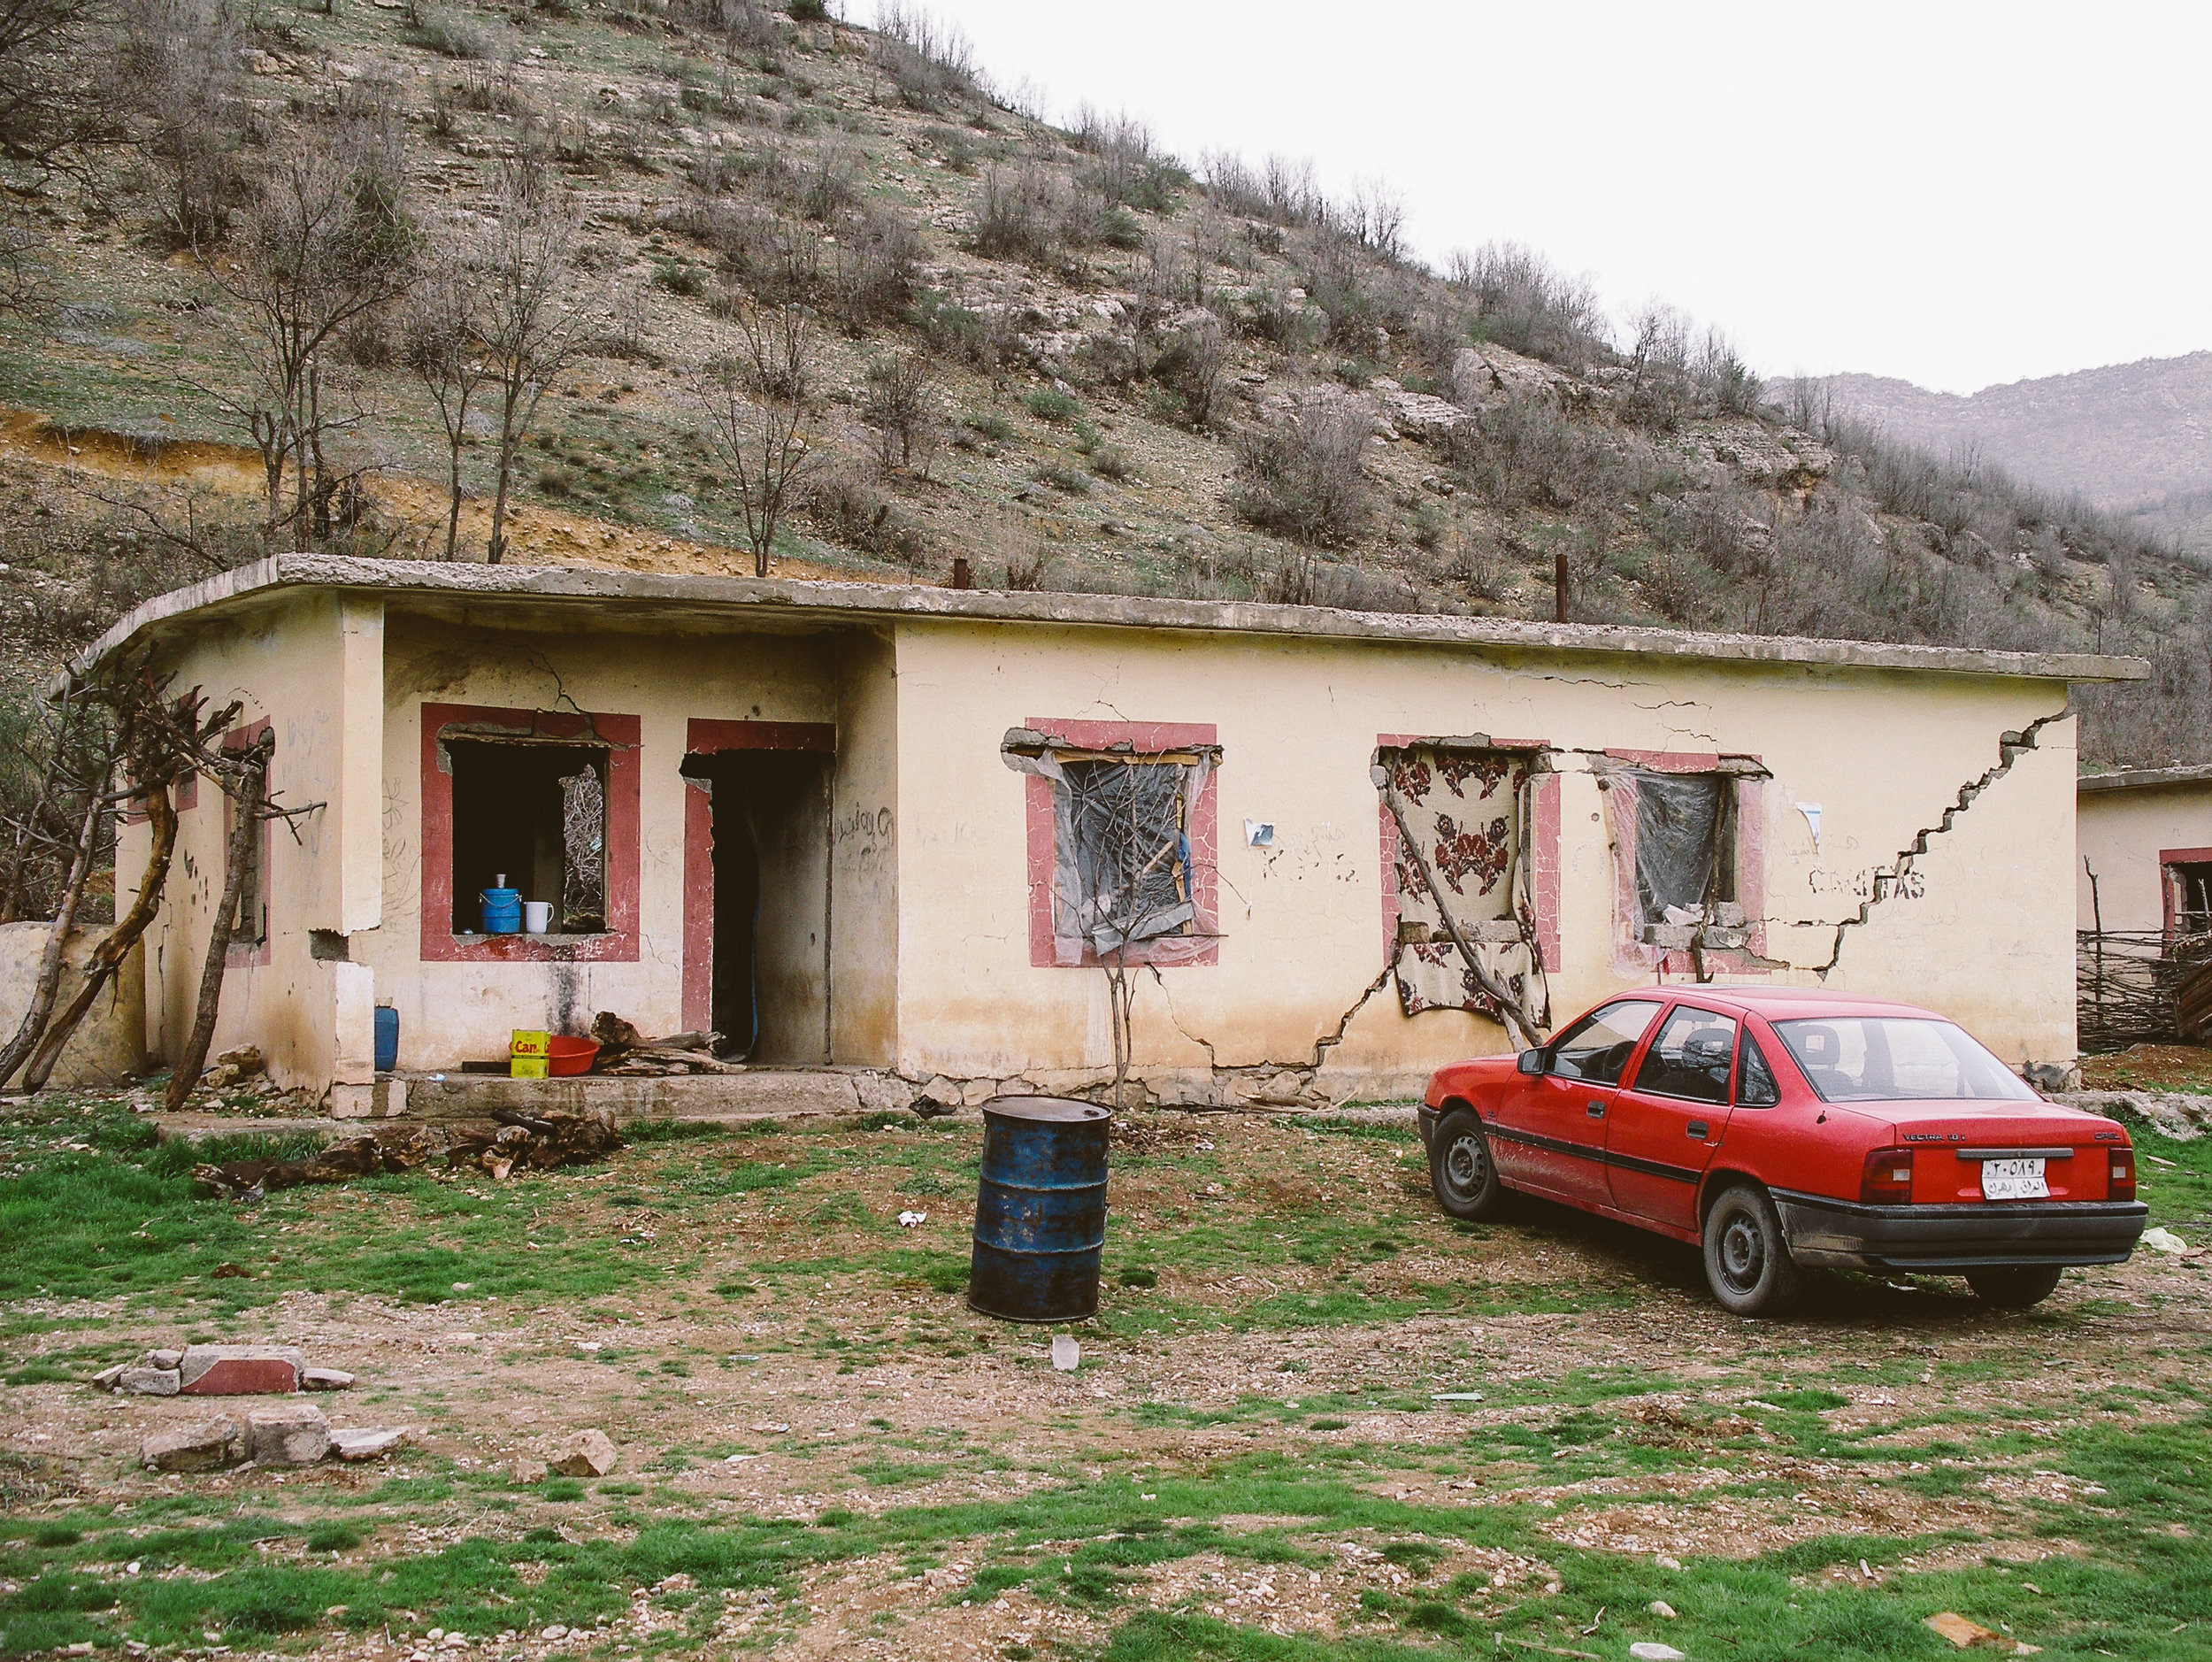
(2013, 1180)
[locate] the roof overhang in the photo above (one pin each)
(778, 603)
(2144, 779)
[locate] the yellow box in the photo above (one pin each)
(529, 1043)
(529, 1067)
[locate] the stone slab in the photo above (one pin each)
(325, 1379)
(365, 1444)
(296, 1434)
(206, 1445)
(147, 1381)
(240, 1370)
(586, 1454)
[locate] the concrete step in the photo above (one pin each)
(768, 1093)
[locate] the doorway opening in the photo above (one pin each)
(770, 814)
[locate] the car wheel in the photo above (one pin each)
(2015, 1289)
(1461, 1171)
(1747, 1263)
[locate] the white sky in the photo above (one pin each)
(1956, 194)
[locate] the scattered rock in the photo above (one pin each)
(240, 1370)
(526, 1470)
(207, 1446)
(911, 1220)
(325, 1379)
(107, 1377)
(1959, 1630)
(165, 1358)
(1666, 1563)
(294, 1435)
(363, 1443)
(1659, 1607)
(1067, 1355)
(233, 1066)
(149, 1382)
(587, 1454)
(1652, 1651)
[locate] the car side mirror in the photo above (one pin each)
(1531, 1062)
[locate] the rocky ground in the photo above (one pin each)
(1314, 1419)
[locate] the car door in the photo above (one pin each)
(1664, 1127)
(1552, 1132)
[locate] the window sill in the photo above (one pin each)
(611, 946)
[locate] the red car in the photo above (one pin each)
(1779, 1128)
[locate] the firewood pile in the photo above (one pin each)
(532, 1141)
(625, 1053)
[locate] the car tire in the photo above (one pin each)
(1461, 1171)
(2015, 1288)
(1747, 1261)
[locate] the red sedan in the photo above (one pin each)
(1779, 1128)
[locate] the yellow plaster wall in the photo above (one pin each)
(2120, 833)
(1986, 937)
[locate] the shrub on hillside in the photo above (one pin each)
(1307, 480)
(1527, 305)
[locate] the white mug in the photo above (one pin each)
(537, 916)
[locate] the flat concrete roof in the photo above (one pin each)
(786, 603)
(2145, 779)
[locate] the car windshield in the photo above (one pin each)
(1897, 1058)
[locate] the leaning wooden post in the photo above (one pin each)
(243, 785)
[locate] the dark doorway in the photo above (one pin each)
(772, 901)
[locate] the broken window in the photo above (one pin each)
(1122, 853)
(2190, 886)
(1685, 865)
(533, 812)
(1465, 815)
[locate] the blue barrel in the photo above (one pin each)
(387, 1038)
(1041, 1210)
(503, 910)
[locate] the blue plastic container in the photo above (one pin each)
(387, 1038)
(1040, 1210)
(503, 910)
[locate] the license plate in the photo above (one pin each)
(2013, 1180)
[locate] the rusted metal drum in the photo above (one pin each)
(1041, 1210)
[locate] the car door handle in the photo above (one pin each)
(1595, 1109)
(1697, 1128)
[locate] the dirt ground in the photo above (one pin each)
(1312, 1412)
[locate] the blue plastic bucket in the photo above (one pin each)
(1040, 1210)
(503, 910)
(387, 1039)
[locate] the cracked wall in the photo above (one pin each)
(1972, 916)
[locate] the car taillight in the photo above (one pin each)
(2120, 1184)
(1888, 1180)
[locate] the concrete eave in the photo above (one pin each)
(2145, 779)
(830, 602)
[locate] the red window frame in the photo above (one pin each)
(245, 954)
(1144, 738)
(1543, 845)
(705, 737)
(1751, 866)
(622, 734)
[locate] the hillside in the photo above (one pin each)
(2133, 438)
(1061, 355)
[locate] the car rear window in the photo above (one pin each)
(1897, 1058)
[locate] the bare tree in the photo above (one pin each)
(900, 401)
(757, 394)
(325, 240)
(179, 76)
(534, 324)
(51, 94)
(444, 348)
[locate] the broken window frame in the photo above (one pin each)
(249, 940)
(620, 736)
(1732, 934)
(2177, 869)
(1038, 749)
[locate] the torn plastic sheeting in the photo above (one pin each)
(1679, 819)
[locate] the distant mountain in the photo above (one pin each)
(2133, 437)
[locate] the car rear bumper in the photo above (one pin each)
(1847, 1234)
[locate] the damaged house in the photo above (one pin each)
(942, 840)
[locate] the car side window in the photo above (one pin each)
(1597, 1048)
(1692, 1057)
(1755, 1086)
